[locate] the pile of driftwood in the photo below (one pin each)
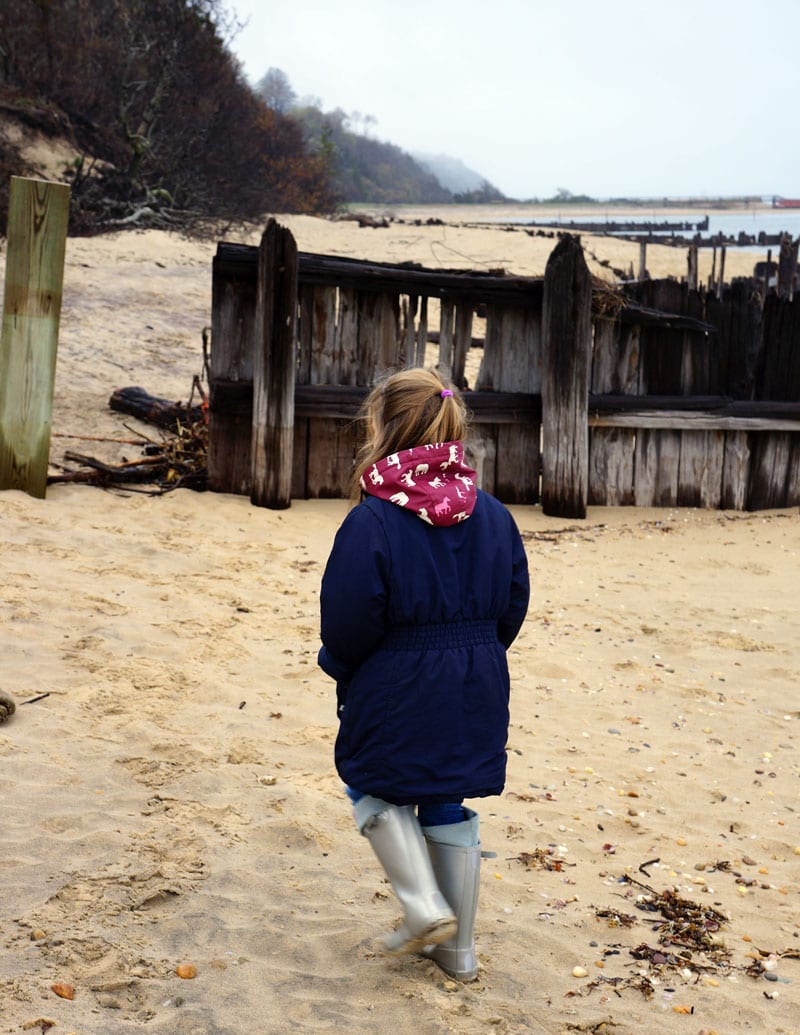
(179, 459)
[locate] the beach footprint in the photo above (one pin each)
(7, 706)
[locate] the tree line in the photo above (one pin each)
(166, 129)
(363, 169)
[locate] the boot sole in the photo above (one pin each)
(436, 933)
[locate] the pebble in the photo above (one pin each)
(771, 976)
(186, 971)
(579, 972)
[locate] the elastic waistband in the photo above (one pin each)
(444, 634)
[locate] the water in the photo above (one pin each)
(731, 224)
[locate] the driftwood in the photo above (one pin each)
(153, 410)
(180, 460)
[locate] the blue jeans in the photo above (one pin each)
(429, 815)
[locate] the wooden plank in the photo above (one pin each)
(604, 405)
(696, 359)
(700, 469)
(387, 315)
(605, 346)
(793, 375)
(422, 333)
(769, 470)
(462, 342)
(793, 472)
(347, 337)
(656, 468)
(517, 463)
(735, 469)
(305, 300)
(482, 455)
(393, 278)
(446, 318)
(300, 458)
(661, 348)
(680, 420)
(410, 307)
(566, 351)
(611, 463)
(490, 372)
(37, 229)
(325, 356)
(517, 458)
(343, 402)
(233, 312)
(330, 458)
(274, 370)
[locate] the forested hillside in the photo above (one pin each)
(163, 129)
(166, 129)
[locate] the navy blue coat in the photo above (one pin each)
(415, 624)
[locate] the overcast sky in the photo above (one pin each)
(640, 99)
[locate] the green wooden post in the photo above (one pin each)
(37, 232)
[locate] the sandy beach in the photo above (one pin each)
(168, 789)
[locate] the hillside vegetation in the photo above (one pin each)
(157, 125)
(165, 128)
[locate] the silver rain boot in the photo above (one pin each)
(455, 852)
(396, 838)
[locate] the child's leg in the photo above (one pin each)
(395, 835)
(455, 852)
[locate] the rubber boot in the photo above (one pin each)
(396, 838)
(455, 852)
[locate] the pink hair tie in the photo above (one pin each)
(445, 392)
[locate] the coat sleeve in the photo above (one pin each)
(510, 623)
(354, 596)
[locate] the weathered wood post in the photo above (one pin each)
(37, 230)
(691, 273)
(566, 353)
(274, 363)
(787, 263)
(230, 417)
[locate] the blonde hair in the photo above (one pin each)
(406, 410)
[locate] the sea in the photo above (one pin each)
(771, 221)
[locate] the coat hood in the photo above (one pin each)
(433, 481)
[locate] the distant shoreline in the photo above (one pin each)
(568, 210)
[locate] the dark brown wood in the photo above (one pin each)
(770, 470)
(347, 336)
(274, 369)
(700, 469)
(695, 400)
(343, 402)
(462, 342)
(566, 351)
(611, 460)
(691, 272)
(149, 408)
(391, 278)
(735, 466)
(656, 467)
(787, 264)
(233, 319)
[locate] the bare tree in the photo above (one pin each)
(276, 91)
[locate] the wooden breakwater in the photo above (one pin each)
(660, 397)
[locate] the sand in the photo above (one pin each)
(172, 799)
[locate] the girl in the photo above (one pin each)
(425, 589)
